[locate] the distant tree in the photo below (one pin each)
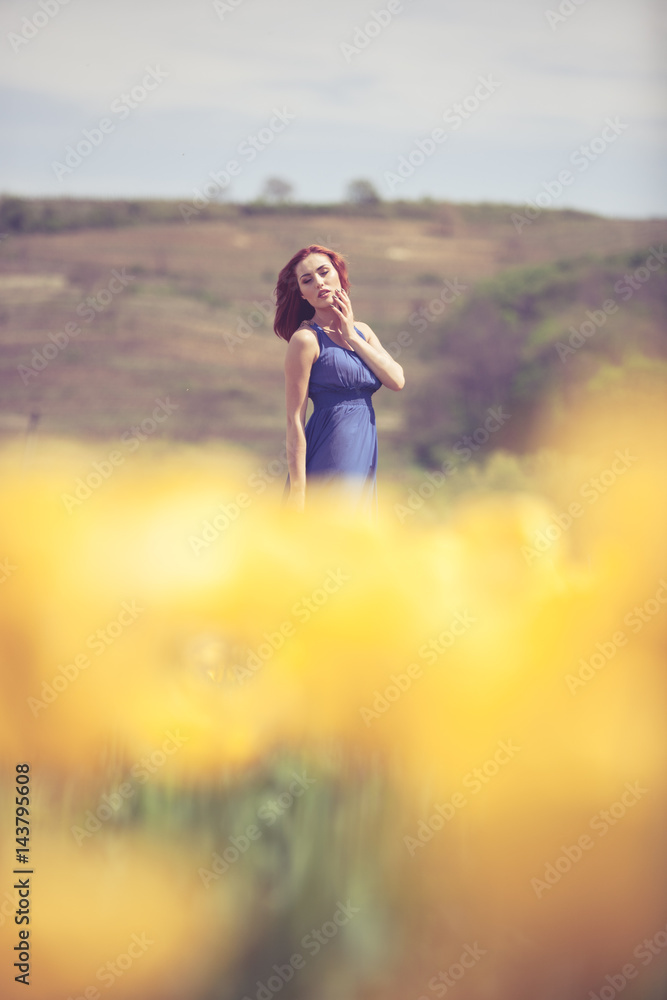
(15, 214)
(277, 190)
(362, 192)
(219, 195)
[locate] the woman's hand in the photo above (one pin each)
(296, 500)
(344, 324)
(367, 346)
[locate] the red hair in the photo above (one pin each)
(291, 307)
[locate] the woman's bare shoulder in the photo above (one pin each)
(303, 341)
(304, 334)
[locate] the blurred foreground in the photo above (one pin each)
(274, 754)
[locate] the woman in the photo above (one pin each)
(339, 365)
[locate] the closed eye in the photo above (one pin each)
(323, 270)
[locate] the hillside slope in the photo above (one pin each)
(533, 339)
(185, 312)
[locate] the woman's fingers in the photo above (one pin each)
(342, 301)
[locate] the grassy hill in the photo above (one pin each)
(536, 338)
(169, 309)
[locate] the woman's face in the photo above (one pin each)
(317, 279)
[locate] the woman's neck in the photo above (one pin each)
(325, 318)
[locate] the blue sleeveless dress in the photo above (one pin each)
(341, 437)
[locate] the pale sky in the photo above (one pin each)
(358, 85)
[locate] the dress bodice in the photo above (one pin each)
(339, 375)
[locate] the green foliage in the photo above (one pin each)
(297, 855)
(488, 213)
(617, 380)
(511, 343)
(32, 215)
(362, 192)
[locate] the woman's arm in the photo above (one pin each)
(302, 351)
(381, 363)
(370, 349)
